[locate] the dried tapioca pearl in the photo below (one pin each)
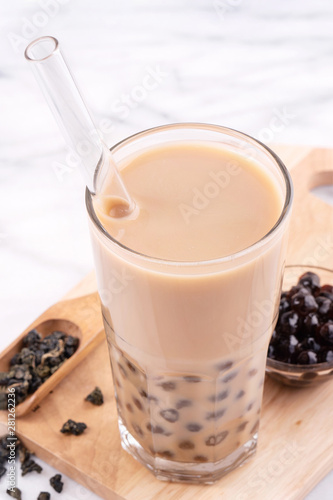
(240, 394)
(122, 370)
(225, 365)
(129, 407)
(186, 445)
(216, 439)
(304, 303)
(255, 428)
(307, 358)
(219, 397)
(131, 366)
(310, 280)
(229, 377)
(183, 403)
(165, 454)
(325, 334)
(311, 323)
(295, 289)
(309, 344)
(170, 415)
(137, 403)
(215, 415)
(168, 386)
(192, 379)
(284, 305)
(253, 372)
(200, 458)
(242, 426)
(289, 323)
(193, 427)
(138, 430)
(324, 305)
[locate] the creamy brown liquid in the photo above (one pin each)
(195, 203)
(188, 349)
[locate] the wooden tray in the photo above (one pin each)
(296, 439)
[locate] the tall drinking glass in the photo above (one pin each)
(188, 338)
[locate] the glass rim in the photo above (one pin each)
(227, 258)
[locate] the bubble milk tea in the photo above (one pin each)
(189, 286)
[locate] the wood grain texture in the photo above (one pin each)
(296, 439)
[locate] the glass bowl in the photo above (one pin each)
(295, 374)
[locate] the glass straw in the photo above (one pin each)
(74, 120)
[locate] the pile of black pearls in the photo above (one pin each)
(304, 330)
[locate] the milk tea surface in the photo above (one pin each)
(195, 202)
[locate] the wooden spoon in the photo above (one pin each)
(80, 317)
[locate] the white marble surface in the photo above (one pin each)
(238, 63)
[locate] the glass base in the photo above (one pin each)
(170, 470)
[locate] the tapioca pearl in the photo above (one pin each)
(170, 415)
(122, 370)
(183, 403)
(253, 372)
(138, 430)
(193, 427)
(200, 458)
(215, 415)
(129, 407)
(137, 403)
(219, 397)
(255, 427)
(168, 386)
(242, 426)
(224, 365)
(156, 429)
(250, 406)
(214, 440)
(165, 454)
(240, 394)
(230, 377)
(143, 393)
(186, 445)
(192, 379)
(130, 366)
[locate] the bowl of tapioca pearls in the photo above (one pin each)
(300, 351)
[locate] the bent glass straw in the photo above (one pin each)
(73, 118)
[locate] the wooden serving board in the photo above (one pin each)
(296, 438)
